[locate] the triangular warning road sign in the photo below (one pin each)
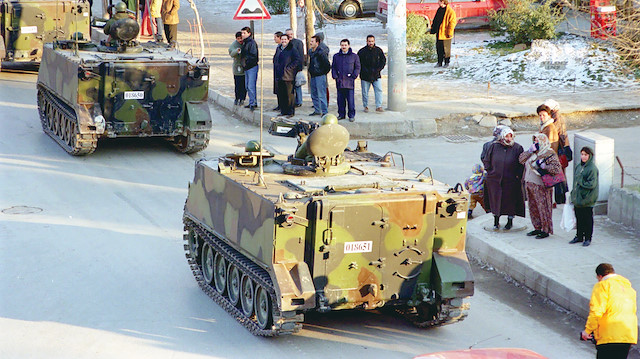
(251, 10)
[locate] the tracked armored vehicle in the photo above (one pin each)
(325, 229)
(122, 88)
(28, 24)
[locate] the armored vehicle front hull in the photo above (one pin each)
(28, 24)
(373, 237)
(88, 94)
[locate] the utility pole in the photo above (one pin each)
(397, 40)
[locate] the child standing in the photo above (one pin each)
(475, 186)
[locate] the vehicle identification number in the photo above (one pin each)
(358, 247)
(134, 95)
(29, 29)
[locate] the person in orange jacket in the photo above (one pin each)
(444, 22)
(612, 317)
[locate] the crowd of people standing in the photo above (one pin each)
(289, 60)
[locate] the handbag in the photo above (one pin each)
(567, 152)
(301, 79)
(550, 180)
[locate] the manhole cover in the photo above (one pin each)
(21, 210)
(457, 138)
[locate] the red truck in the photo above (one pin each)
(470, 13)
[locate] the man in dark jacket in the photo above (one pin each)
(249, 60)
(345, 69)
(298, 45)
(319, 67)
(276, 39)
(289, 64)
(372, 60)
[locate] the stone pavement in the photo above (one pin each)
(562, 272)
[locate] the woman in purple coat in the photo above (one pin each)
(503, 184)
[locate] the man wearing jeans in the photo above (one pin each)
(249, 59)
(319, 67)
(372, 61)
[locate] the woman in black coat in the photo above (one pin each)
(503, 184)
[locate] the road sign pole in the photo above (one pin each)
(261, 176)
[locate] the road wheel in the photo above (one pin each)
(246, 295)
(263, 308)
(220, 274)
(208, 256)
(233, 284)
(349, 9)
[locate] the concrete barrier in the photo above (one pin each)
(624, 207)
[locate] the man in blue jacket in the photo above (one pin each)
(345, 69)
(288, 65)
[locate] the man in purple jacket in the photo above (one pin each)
(345, 69)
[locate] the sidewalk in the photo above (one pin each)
(562, 272)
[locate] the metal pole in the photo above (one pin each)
(397, 40)
(261, 176)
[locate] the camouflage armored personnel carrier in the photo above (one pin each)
(28, 24)
(325, 229)
(122, 88)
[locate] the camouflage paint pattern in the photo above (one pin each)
(398, 243)
(28, 24)
(157, 92)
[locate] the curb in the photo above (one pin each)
(392, 125)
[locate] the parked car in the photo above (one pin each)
(348, 8)
(470, 13)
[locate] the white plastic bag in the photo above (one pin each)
(568, 221)
(301, 79)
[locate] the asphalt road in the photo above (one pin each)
(92, 262)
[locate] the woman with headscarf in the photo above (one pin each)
(540, 159)
(503, 183)
(584, 195)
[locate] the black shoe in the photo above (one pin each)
(352, 119)
(586, 243)
(509, 223)
(277, 108)
(341, 118)
(445, 65)
(575, 240)
(496, 222)
(438, 65)
(535, 232)
(315, 113)
(252, 108)
(247, 106)
(542, 235)
(299, 105)
(235, 102)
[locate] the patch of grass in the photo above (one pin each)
(502, 48)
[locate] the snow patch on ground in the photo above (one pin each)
(564, 63)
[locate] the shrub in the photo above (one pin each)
(522, 21)
(277, 6)
(420, 44)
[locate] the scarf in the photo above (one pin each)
(503, 137)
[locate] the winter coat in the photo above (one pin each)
(345, 69)
(319, 62)
(170, 12)
(585, 184)
(289, 64)
(233, 52)
(372, 61)
(155, 9)
(612, 311)
(249, 53)
(503, 184)
(275, 64)
(552, 134)
(444, 28)
(552, 165)
(561, 126)
(298, 45)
